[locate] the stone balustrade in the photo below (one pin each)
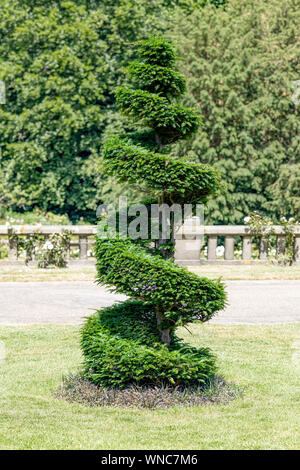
(193, 236)
(82, 237)
(190, 240)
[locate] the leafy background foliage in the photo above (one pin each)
(53, 66)
(240, 65)
(61, 62)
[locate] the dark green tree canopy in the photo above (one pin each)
(53, 65)
(62, 60)
(241, 64)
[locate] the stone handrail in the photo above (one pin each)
(189, 241)
(191, 238)
(85, 234)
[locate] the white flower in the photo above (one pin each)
(247, 220)
(291, 219)
(220, 250)
(48, 246)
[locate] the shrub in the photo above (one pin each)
(50, 252)
(36, 216)
(122, 345)
(54, 251)
(135, 342)
(263, 227)
(3, 249)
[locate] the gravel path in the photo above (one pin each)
(68, 302)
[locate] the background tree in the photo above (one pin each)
(240, 65)
(135, 341)
(52, 61)
(61, 61)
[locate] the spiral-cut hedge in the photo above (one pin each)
(181, 181)
(135, 341)
(122, 346)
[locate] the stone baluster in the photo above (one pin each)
(229, 248)
(247, 248)
(83, 247)
(297, 249)
(212, 247)
(263, 249)
(280, 245)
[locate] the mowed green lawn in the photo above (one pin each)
(262, 359)
(87, 272)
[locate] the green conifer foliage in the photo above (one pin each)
(242, 68)
(135, 341)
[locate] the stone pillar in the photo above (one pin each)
(83, 247)
(280, 245)
(297, 249)
(188, 242)
(211, 247)
(263, 249)
(229, 248)
(247, 248)
(12, 251)
(188, 251)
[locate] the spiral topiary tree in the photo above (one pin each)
(135, 341)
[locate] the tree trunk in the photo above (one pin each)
(161, 240)
(158, 141)
(165, 332)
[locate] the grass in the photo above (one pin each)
(263, 359)
(88, 272)
(250, 272)
(30, 274)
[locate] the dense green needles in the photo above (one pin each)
(135, 341)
